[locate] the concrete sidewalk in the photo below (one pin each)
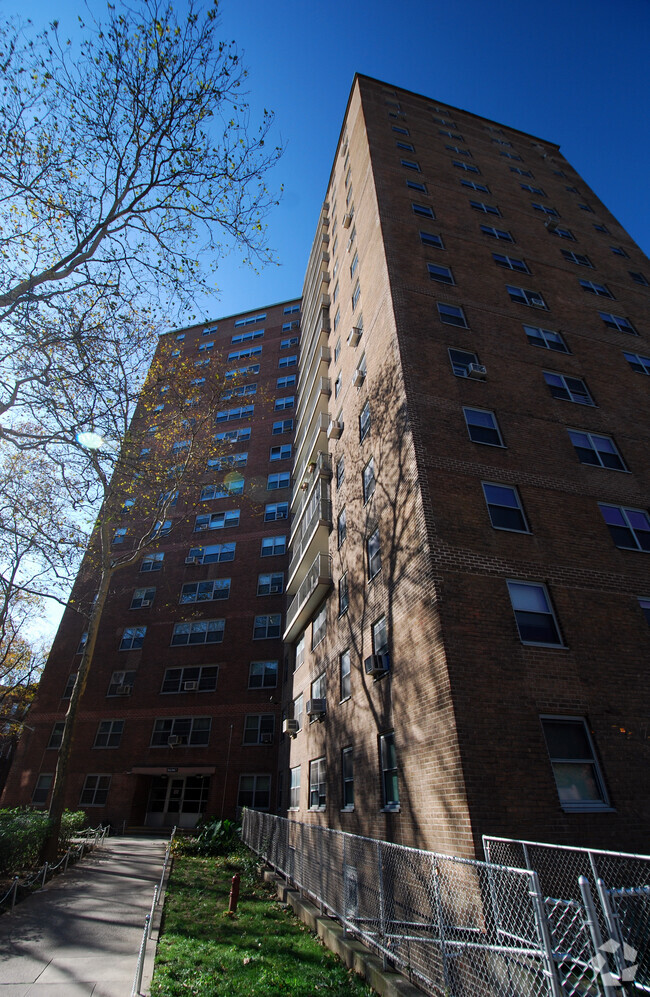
(81, 935)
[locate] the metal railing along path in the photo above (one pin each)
(148, 921)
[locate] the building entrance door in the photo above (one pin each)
(178, 800)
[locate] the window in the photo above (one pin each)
(644, 605)
(290, 309)
(400, 131)
(197, 679)
(82, 642)
(319, 687)
(578, 258)
(592, 288)
(482, 427)
(532, 190)
(184, 731)
(210, 331)
(244, 389)
(216, 520)
(285, 382)
(69, 686)
(233, 487)
(263, 675)
(368, 480)
(468, 167)
(441, 274)
(586, 207)
(629, 528)
(145, 452)
(251, 320)
(488, 209)
(259, 728)
(282, 452)
(230, 414)
(248, 351)
(118, 536)
(282, 426)
(544, 209)
(521, 173)
(42, 789)
(341, 528)
(405, 146)
(254, 792)
(461, 362)
(280, 479)
(109, 734)
(56, 735)
(388, 758)
(159, 408)
(337, 384)
(638, 277)
(340, 471)
(287, 344)
(571, 389)
(364, 421)
(317, 784)
(208, 591)
(345, 675)
(233, 435)
(270, 584)
(475, 186)
(319, 626)
(297, 710)
(337, 319)
(95, 791)
(289, 361)
(618, 322)
(504, 507)
(534, 614)
(267, 626)
(562, 233)
(618, 251)
(510, 155)
(253, 368)
(199, 632)
(429, 239)
(510, 262)
(373, 549)
(276, 510)
(455, 135)
(294, 788)
(161, 528)
(179, 445)
(599, 450)
(414, 185)
(213, 553)
(422, 209)
(452, 315)
(344, 594)
(142, 598)
(273, 545)
(458, 151)
(347, 779)
(638, 363)
(532, 298)
(355, 295)
(545, 338)
(496, 233)
(119, 682)
(577, 775)
(246, 337)
(132, 638)
(410, 164)
(380, 636)
(204, 347)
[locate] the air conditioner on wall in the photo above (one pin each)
(334, 430)
(376, 665)
(355, 336)
(173, 740)
(316, 708)
(124, 690)
(192, 560)
(477, 371)
(290, 727)
(190, 686)
(358, 377)
(266, 738)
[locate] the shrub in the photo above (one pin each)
(72, 822)
(23, 831)
(214, 837)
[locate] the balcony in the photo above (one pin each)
(310, 535)
(315, 586)
(319, 467)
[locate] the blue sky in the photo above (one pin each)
(571, 71)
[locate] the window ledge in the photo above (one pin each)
(586, 809)
(345, 699)
(347, 810)
(391, 809)
(317, 810)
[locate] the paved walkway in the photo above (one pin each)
(81, 935)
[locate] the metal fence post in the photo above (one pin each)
(596, 938)
(44, 875)
(382, 912)
(613, 923)
(555, 987)
(345, 899)
(441, 925)
(137, 983)
(153, 907)
(14, 893)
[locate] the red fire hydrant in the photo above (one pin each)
(234, 894)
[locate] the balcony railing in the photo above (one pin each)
(321, 513)
(315, 584)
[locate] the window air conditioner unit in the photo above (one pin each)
(316, 708)
(376, 665)
(145, 603)
(347, 221)
(173, 740)
(358, 377)
(190, 686)
(334, 430)
(290, 727)
(477, 371)
(355, 336)
(124, 690)
(537, 304)
(551, 224)
(266, 738)
(350, 244)
(203, 526)
(192, 560)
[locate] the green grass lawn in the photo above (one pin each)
(263, 950)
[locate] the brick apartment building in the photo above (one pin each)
(181, 713)
(470, 621)
(467, 618)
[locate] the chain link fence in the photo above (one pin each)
(455, 926)
(590, 894)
